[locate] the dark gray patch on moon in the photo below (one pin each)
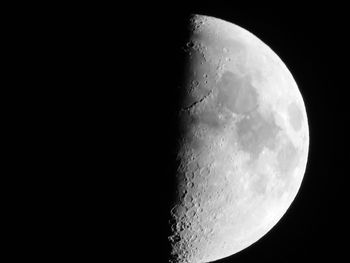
(295, 116)
(210, 118)
(255, 132)
(236, 93)
(260, 183)
(287, 158)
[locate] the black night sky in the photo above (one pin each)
(110, 76)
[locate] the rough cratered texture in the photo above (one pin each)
(243, 147)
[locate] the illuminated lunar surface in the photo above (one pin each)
(244, 143)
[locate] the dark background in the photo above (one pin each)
(95, 100)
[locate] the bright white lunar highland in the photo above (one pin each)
(244, 143)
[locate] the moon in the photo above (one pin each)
(243, 146)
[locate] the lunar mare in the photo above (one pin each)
(244, 143)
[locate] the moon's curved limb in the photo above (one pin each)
(244, 146)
